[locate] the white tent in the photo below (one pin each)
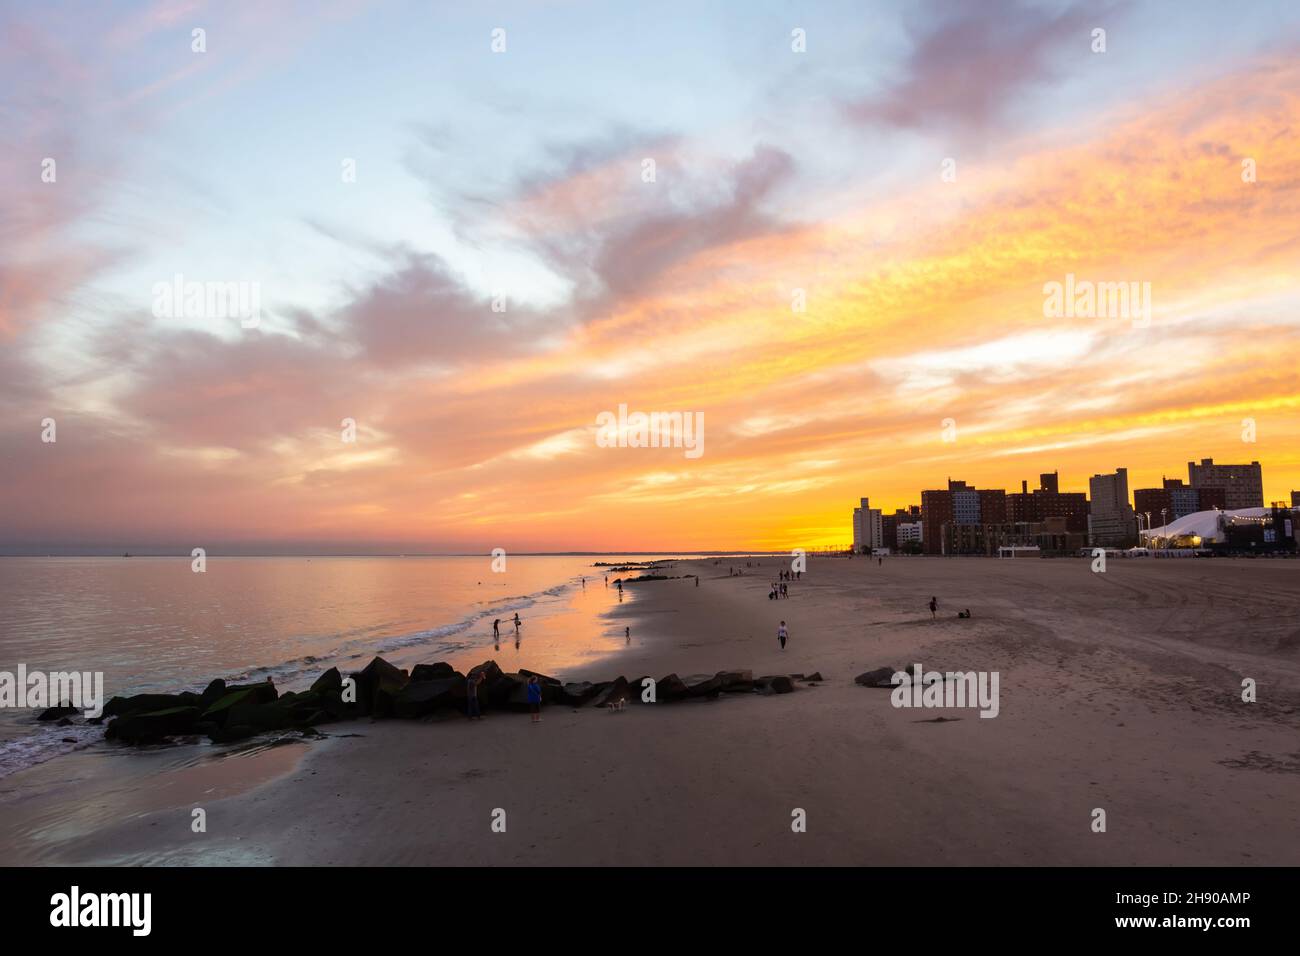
(1206, 525)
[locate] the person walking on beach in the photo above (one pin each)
(535, 698)
(627, 632)
(934, 607)
(782, 634)
(496, 630)
(517, 622)
(471, 696)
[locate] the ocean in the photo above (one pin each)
(153, 624)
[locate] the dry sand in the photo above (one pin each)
(1119, 691)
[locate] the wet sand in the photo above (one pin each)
(1119, 691)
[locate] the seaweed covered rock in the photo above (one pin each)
(147, 703)
(141, 728)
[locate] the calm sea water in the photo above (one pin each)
(152, 624)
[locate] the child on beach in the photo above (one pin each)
(782, 634)
(934, 606)
(535, 698)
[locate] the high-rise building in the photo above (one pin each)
(1295, 499)
(868, 531)
(1111, 519)
(1047, 501)
(1243, 485)
(889, 523)
(958, 504)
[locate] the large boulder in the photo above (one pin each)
(439, 670)
(737, 682)
(148, 703)
(880, 677)
(248, 694)
(288, 711)
(577, 694)
(422, 697)
(56, 713)
(703, 685)
(378, 685)
(541, 678)
(215, 690)
(552, 689)
(141, 728)
(330, 680)
(671, 688)
(489, 669)
(611, 691)
(774, 684)
(229, 735)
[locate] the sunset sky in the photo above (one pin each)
(520, 174)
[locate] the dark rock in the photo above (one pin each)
(378, 686)
(54, 713)
(147, 703)
(421, 697)
(64, 722)
(69, 740)
(212, 693)
(814, 676)
(138, 728)
(498, 691)
(577, 694)
(247, 694)
(612, 691)
(737, 682)
(330, 680)
(636, 688)
(440, 670)
(671, 688)
(880, 677)
(703, 685)
(229, 735)
(774, 684)
(541, 678)
(490, 671)
(552, 689)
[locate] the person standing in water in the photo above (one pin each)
(782, 634)
(517, 622)
(934, 607)
(496, 630)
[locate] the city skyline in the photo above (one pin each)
(845, 259)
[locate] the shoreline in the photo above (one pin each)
(1129, 707)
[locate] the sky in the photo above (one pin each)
(831, 229)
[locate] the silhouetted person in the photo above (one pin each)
(934, 607)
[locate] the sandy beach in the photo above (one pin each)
(1119, 691)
